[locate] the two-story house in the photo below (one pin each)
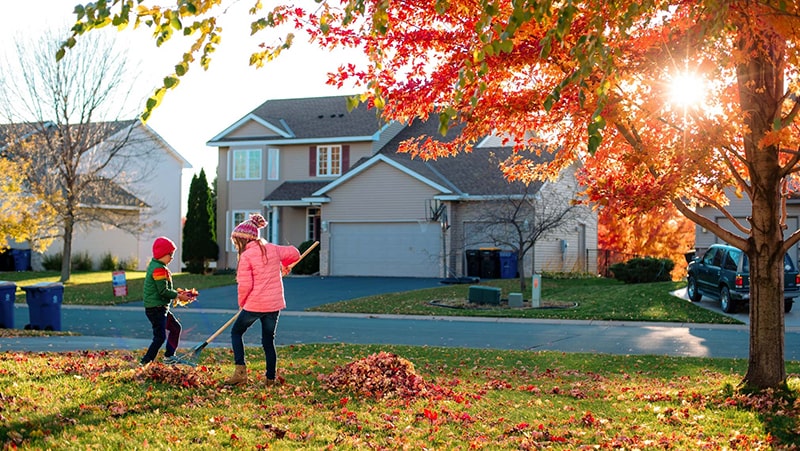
(320, 172)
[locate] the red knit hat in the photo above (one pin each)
(162, 246)
(249, 229)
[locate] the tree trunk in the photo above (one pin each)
(760, 80)
(66, 252)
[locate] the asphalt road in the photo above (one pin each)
(125, 326)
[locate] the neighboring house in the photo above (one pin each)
(740, 208)
(151, 197)
(383, 215)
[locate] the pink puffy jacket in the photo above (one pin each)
(260, 283)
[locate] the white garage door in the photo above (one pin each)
(386, 249)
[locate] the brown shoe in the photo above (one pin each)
(239, 376)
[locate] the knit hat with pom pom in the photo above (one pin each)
(249, 229)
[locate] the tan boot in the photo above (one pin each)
(239, 376)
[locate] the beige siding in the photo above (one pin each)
(226, 259)
(293, 225)
(294, 160)
(547, 255)
(250, 128)
(382, 193)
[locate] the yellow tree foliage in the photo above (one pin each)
(21, 214)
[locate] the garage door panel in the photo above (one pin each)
(385, 249)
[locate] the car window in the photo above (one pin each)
(732, 259)
(717, 261)
(708, 259)
(788, 264)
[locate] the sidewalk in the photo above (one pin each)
(125, 327)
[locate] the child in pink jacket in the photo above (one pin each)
(259, 276)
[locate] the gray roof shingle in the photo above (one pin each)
(294, 190)
(474, 173)
(317, 117)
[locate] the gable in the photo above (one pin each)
(380, 192)
(250, 129)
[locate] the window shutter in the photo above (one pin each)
(312, 161)
(345, 158)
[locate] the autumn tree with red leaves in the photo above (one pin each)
(589, 78)
(661, 232)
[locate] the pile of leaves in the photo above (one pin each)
(177, 375)
(379, 375)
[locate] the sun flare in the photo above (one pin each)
(687, 90)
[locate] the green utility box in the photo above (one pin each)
(484, 295)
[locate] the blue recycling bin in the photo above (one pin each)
(508, 264)
(44, 305)
(22, 259)
(8, 294)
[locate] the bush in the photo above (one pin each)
(109, 262)
(195, 267)
(643, 270)
(129, 264)
(82, 262)
(309, 264)
(52, 262)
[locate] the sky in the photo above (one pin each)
(206, 102)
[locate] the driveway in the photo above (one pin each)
(791, 319)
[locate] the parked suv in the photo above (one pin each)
(723, 273)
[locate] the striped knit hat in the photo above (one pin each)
(249, 229)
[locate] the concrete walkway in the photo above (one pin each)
(125, 326)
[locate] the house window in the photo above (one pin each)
(329, 160)
(237, 218)
(312, 224)
(247, 164)
(272, 164)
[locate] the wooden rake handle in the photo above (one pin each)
(224, 326)
(303, 255)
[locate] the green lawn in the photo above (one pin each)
(579, 299)
(385, 397)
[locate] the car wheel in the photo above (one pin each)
(691, 290)
(725, 301)
(787, 305)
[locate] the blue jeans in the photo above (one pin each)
(165, 328)
(269, 322)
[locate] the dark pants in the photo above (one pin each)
(165, 328)
(269, 322)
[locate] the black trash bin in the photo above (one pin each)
(473, 263)
(490, 263)
(8, 294)
(44, 305)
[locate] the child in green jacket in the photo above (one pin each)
(158, 295)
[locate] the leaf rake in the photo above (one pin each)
(191, 358)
